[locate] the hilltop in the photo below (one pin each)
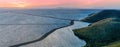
(103, 31)
(94, 17)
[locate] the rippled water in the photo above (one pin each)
(74, 14)
(63, 37)
(21, 26)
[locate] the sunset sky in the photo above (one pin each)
(60, 3)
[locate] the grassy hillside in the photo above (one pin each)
(100, 33)
(102, 15)
(114, 44)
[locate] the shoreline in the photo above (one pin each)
(44, 36)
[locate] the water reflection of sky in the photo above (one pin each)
(18, 26)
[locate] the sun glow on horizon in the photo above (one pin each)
(19, 4)
(59, 3)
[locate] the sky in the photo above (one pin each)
(111, 4)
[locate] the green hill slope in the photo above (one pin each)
(102, 15)
(100, 33)
(114, 44)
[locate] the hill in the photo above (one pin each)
(100, 33)
(114, 44)
(102, 15)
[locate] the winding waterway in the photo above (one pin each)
(41, 28)
(63, 37)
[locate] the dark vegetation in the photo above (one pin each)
(94, 17)
(103, 31)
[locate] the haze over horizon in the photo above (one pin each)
(94, 4)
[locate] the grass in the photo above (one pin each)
(95, 17)
(114, 44)
(100, 33)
